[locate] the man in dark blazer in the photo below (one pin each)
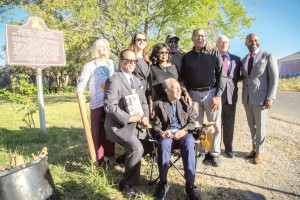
(120, 126)
(230, 77)
(173, 124)
(260, 72)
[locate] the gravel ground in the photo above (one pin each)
(238, 178)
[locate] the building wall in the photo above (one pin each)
(289, 69)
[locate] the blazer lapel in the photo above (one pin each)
(141, 70)
(167, 109)
(124, 80)
(257, 60)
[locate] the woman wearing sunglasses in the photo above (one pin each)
(161, 69)
(142, 70)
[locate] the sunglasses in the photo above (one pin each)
(163, 52)
(173, 42)
(140, 39)
(127, 61)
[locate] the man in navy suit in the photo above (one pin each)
(230, 77)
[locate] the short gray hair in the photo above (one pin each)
(166, 84)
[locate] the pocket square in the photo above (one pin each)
(141, 87)
(262, 61)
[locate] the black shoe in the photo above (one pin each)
(216, 162)
(230, 154)
(161, 191)
(127, 190)
(121, 159)
(208, 157)
(190, 192)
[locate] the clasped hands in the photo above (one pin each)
(142, 121)
(176, 136)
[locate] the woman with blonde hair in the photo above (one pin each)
(96, 72)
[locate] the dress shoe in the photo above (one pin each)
(258, 159)
(161, 191)
(230, 154)
(208, 157)
(190, 192)
(216, 162)
(252, 154)
(127, 190)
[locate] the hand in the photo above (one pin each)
(144, 121)
(268, 104)
(166, 134)
(187, 98)
(179, 134)
(135, 118)
(207, 47)
(215, 103)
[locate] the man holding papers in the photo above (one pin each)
(120, 126)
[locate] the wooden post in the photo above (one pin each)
(87, 128)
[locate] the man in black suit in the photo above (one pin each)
(230, 77)
(174, 123)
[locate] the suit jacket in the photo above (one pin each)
(262, 82)
(143, 77)
(117, 126)
(230, 92)
(186, 116)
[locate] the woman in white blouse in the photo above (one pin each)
(96, 72)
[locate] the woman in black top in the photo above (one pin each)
(161, 70)
(139, 46)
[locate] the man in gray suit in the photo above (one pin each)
(120, 126)
(260, 82)
(230, 76)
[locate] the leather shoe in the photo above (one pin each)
(230, 154)
(252, 154)
(161, 191)
(216, 162)
(127, 190)
(258, 159)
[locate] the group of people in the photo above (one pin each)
(167, 83)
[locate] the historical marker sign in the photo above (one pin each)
(34, 45)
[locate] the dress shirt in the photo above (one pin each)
(174, 122)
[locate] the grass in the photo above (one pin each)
(284, 85)
(68, 155)
(289, 85)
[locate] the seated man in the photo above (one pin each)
(120, 126)
(174, 123)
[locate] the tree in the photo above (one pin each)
(117, 20)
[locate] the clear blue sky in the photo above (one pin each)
(277, 24)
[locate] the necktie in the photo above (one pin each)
(132, 84)
(250, 63)
(225, 64)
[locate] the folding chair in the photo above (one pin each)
(202, 135)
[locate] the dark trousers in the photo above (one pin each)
(187, 148)
(228, 118)
(103, 147)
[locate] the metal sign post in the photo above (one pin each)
(39, 83)
(34, 45)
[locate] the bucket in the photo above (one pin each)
(30, 181)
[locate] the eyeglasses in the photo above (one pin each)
(163, 52)
(127, 61)
(173, 42)
(141, 39)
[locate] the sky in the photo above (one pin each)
(277, 25)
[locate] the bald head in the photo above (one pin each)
(252, 42)
(223, 44)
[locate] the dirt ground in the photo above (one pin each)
(278, 177)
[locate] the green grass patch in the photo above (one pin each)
(289, 85)
(68, 154)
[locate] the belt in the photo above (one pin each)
(203, 89)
